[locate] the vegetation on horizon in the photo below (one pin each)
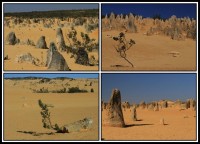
(43, 78)
(55, 14)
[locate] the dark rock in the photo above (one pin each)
(55, 61)
(41, 43)
(11, 39)
(82, 57)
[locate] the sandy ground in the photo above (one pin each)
(148, 126)
(22, 113)
(149, 53)
(34, 33)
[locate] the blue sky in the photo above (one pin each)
(52, 75)
(46, 7)
(148, 10)
(149, 87)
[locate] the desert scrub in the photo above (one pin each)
(46, 118)
(64, 90)
(86, 43)
(42, 90)
(76, 126)
(90, 27)
(44, 80)
(92, 90)
(123, 45)
(76, 90)
(55, 14)
(80, 48)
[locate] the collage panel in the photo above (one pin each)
(99, 71)
(149, 107)
(51, 36)
(149, 36)
(51, 107)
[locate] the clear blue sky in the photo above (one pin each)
(148, 10)
(46, 7)
(52, 75)
(149, 87)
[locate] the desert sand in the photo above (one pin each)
(33, 32)
(179, 125)
(22, 117)
(153, 49)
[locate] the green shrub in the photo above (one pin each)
(60, 91)
(42, 90)
(76, 90)
(55, 14)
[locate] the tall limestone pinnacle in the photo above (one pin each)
(114, 111)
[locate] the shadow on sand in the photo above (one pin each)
(130, 125)
(165, 124)
(35, 133)
(118, 66)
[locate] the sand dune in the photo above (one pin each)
(22, 119)
(149, 53)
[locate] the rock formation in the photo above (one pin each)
(134, 114)
(41, 43)
(85, 123)
(27, 57)
(11, 39)
(60, 40)
(114, 111)
(55, 61)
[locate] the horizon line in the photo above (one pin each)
(51, 10)
(46, 77)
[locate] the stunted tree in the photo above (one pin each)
(46, 118)
(123, 45)
(76, 126)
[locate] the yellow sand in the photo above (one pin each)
(179, 125)
(149, 53)
(34, 33)
(22, 113)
